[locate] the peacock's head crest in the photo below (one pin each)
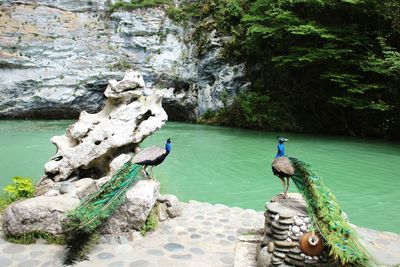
(169, 141)
(281, 139)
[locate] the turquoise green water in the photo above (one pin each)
(232, 166)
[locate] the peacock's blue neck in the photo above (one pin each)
(281, 150)
(168, 147)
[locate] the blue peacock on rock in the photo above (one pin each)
(84, 221)
(322, 208)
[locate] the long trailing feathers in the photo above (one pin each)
(326, 216)
(83, 221)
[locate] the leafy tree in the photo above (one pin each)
(326, 66)
(336, 62)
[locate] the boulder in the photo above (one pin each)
(85, 187)
(131, 215)
(170, 207)
(43, 213)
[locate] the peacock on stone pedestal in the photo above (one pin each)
(322, 208)
(281, 166)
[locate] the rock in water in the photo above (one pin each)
(132, 112)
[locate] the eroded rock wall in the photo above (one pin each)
(56, 58)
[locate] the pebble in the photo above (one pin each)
(296, 229)
(279, 226)
(173, 247)
(271, 246)
(286, 221)
(104, 256)
(296, 257)
(306, 220)
(284, 244)
(303, 228)
(279, 254)
(280, 237)
(298, 221)
(295, 250)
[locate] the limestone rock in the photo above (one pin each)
(102, 181)
(57, 56)
(139, 202)
(37, 214)
(170, 203)
(67, 188)
(118, 162)
(132, 112)
(85, 187)
(264, 258)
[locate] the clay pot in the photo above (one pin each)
(311, 244)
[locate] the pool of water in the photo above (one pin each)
(233, 166)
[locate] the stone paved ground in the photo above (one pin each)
(205, 235)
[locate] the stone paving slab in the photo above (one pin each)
(204, 236)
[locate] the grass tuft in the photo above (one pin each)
(151, 223)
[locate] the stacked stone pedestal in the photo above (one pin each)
(286, 221)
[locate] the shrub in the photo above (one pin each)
(20, 188)
(134, 4)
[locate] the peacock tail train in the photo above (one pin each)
(327, 218)
(83, 221)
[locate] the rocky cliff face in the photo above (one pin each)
(57, 56)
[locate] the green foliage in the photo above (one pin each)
(315, 65)
(5, 200)
(255, 110)
(134, 4)
(151, 222)
(19, 189)
(32, 237)
(209, 114)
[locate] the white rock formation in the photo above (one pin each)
(132, 112)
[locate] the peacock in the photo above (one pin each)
(152, 156)
(83, 222)
(322, 208)
(281, 166)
